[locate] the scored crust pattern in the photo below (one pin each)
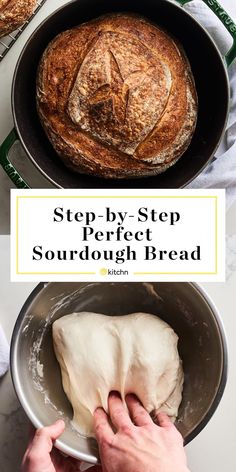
(13, 13)
(116, 98)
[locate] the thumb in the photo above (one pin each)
(44, 437)
(55, 430)
(37, 456)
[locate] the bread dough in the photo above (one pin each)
(134, 353)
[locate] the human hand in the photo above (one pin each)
(41, 456)
(139, 445)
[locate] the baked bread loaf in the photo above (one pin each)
(13, 13)
(116, 97)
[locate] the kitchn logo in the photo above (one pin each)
(103, 271)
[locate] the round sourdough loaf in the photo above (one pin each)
(116, 97)
(13, 13)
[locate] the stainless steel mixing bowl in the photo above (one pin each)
(185, 306)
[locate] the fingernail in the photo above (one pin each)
(60, 422)
(114, 394)
(130, 395)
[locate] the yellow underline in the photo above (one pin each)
(54, 273)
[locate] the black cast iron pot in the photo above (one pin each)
(208, 66)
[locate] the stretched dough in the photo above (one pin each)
(135, 353)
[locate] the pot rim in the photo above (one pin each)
(91, 458)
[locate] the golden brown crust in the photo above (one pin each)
(13, 13)
(116, 98)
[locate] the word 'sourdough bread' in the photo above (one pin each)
(135, 353)
(13, 13)
(116, 97)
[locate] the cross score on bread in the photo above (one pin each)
(117, 90)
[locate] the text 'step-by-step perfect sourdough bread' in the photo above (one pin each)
(135, 353)
(13, 13)
(116, 97)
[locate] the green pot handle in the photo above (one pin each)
(10, 170)
(227, 22)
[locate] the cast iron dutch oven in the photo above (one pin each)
(208, 66)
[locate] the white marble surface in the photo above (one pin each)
(212, 450)
(7, 66)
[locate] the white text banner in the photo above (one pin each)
(117, 235)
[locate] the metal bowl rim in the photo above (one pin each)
(89, 458)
